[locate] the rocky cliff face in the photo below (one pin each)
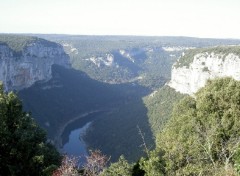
(202, 65)
(21, 69)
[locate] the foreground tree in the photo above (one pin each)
(69, 167)
(203, 135)
(120, 168)
(24, 149)
(96, 163)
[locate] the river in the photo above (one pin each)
(72, 142)
(76, 145)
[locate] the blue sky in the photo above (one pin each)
(198, 18)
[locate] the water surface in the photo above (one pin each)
(76, 145)
(73, 143)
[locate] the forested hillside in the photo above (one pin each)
(203, 133)
(160, 105)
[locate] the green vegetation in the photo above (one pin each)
(18, 42)
(24, 149)
(120, 168)
(189, 55)
(153, 164)
(202, 136)
(160, 105)
(156, 69)
(224, 50)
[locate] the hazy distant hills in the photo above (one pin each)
(119, 59)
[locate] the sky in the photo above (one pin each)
(195, 18)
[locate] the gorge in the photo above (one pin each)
(61, 77)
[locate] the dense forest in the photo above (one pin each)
(202, 136)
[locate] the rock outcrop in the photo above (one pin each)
(192, 70)
(22, 68)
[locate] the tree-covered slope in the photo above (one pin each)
(24, 149)
(159, 106)
(202, 137)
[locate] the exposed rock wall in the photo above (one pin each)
(189, 79)
(22, 69)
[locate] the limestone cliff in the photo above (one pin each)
(25, 61)
(194, 68)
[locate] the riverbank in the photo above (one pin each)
(58, 140)
(76, 146)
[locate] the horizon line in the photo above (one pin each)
(118, 35)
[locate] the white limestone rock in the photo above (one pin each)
(127, 55)
(189, 80)
(108, 60)
(33, 63)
